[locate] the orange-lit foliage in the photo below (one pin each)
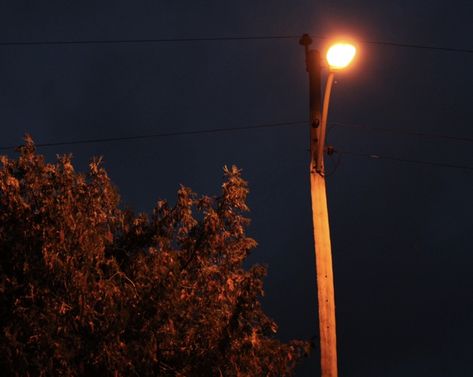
(89, 289)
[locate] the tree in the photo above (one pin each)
(87, 288)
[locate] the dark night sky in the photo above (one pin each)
(401, 232)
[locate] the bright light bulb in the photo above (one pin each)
(340, 55)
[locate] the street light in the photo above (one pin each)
(338, 57)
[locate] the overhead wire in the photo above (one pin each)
(242, 128)
(403, 132)
(223, 39)
(163, 134)
(406, 160)
(149, 40)
(419, 46)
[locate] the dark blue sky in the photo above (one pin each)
(401, 232)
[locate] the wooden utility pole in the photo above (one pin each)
(323, 253)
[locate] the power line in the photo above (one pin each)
(241, 128)
(238, 128)
(163, 134)
(223, 39)
(155, 40)
(403, 132)
(233, 129)
(419, 46)
(406, 160)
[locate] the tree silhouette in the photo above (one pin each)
(87, 288)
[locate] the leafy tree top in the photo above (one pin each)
(88, 288)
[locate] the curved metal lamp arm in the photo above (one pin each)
(323, 125)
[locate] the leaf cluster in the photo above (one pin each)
(87, 288)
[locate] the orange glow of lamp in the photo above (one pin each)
(340, 55)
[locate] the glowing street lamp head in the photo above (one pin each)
(340, 55)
